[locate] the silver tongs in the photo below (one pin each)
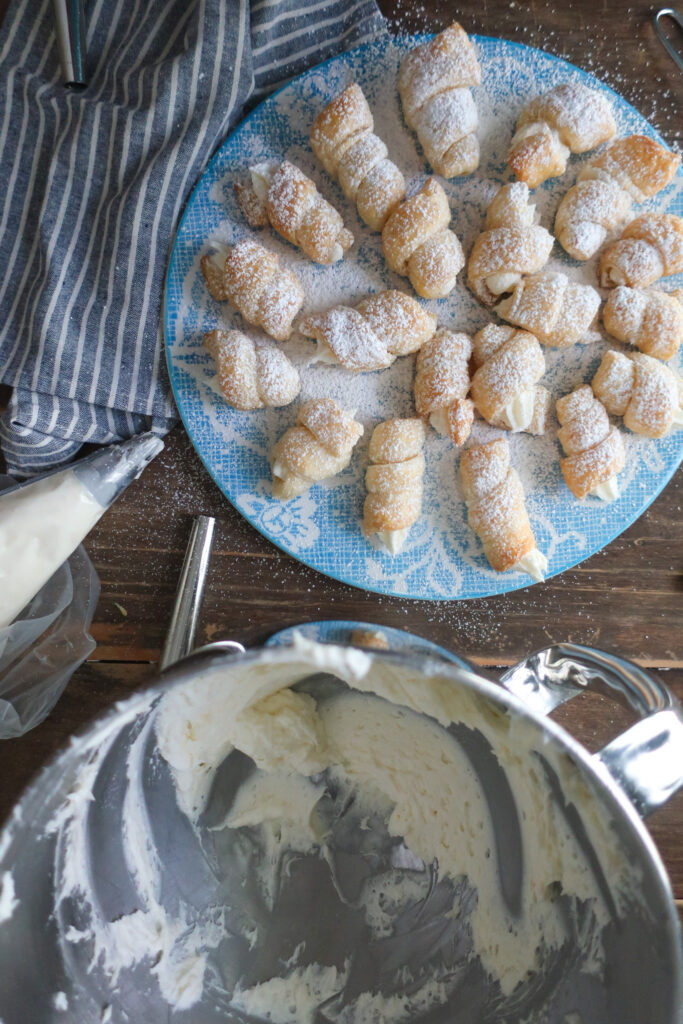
(70, 27)
(669, 12)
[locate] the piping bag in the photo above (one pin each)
(48, 587)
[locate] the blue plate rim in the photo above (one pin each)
(422, 644)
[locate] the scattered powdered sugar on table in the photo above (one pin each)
(443, 555)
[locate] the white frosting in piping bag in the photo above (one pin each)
(40, 526)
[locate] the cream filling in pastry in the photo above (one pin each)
(534, 564)
(281, 472)
(608, 490)
(336, 253)
(678, 418)
(518, 413)
(393, 540)
(323, 354)
(616, 276)
(261, 177)
(502, 282)
(439, 420)
(218, 255)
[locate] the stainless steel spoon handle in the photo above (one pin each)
(183, 626)
(70, 28)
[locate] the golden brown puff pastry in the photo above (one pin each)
(567, 118)
(434, 84)
(633, 168)
(647, 318)
(394, 481)
(638, 164)
(650, 247)
(318, 447)
(442, 381)
(641, 389)
(343, 139)
(284, 197)
(251, 377)
(511, 245)
(371, 335)
(496, 510)
(372, 639)
(505, 386)
(555, 309)
(419, 245)
(267, 294)
(594, 448)
(590, 211)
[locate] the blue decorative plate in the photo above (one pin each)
(340, 632)
(442, 558)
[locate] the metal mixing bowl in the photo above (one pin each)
(48, 974)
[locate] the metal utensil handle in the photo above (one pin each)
(70, 29)
(647, 759)
(183, 626)
(554, 675)
(669, 12)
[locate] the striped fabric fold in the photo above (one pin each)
(93, 184)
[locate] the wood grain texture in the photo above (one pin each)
(627, 598)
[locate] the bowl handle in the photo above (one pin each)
(647, 759)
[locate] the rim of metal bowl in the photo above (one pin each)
(204, 662)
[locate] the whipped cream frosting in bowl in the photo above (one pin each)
(315, 832)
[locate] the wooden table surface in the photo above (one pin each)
(627, 598)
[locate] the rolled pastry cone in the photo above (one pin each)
(650, 247)
(512, 245)
(419, 245)
(647, 318)
(568, 118)
(433, 82)
(496, 510)
(267, 294)
(633, 168)
(594, 448)
(589, 211)
(318, 447)
(283, 196)
(371, 335)
(643, 390)
(343, 139)
(394, 481)
(638, 164)
(505, 386)
(442, 381)
(251, 377)
(558, 311)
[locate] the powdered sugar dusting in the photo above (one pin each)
(442, 557)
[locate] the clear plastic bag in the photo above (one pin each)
(40, 651)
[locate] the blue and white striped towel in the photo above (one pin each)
(92, 184)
